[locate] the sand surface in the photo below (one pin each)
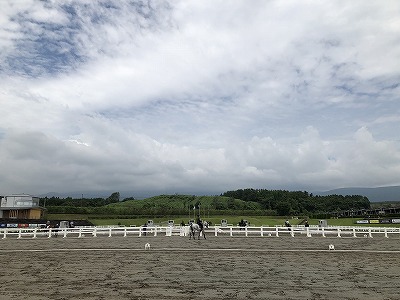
(220, 267)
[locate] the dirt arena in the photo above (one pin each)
(217, 268)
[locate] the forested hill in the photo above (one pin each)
(247, 201)
(299, 202)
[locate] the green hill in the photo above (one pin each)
(175, 204)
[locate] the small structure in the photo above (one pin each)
(150, 223)
(171, 223)
(64, 224)
(323, 223)
(224, 223)
(20, 206)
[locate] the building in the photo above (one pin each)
(20, 207)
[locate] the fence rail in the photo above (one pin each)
(90, 231)
(263, 231)
(338, 231)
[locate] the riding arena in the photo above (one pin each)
(223, 262)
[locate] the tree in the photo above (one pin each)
(114, 198)
(283, 208)
(128, 199)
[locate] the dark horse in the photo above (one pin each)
(194, 227)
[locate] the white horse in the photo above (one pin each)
(194, 227)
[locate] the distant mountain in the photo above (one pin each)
(378, 194)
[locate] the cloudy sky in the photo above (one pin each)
(198, 97)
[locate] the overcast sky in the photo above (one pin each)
(198, 97)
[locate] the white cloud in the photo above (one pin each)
(204, 96)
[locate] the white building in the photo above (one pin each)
(20, 207)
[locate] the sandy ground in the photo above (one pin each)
(220, 267)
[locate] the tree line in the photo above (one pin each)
(81, 202)
(241, 201)
(299, 202)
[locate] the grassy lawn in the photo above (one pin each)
(234, 220)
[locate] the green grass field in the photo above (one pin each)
(254, 220)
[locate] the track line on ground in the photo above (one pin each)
(197, 249)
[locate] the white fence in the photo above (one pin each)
(263, 231)
(337, 231)
(90, 231)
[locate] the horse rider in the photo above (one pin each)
(199, 222)
(287, 224)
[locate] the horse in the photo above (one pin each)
(194, 227)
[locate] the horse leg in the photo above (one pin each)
(204, 234)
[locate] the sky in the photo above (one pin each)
(198, 97)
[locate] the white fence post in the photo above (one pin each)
(125, 232)
(338, 233)
(49, 233)
(291, 231)
(308, 231)
(277, 231)
(19, 233)
(354, 232)
(386, 235)
(94, 232)
(109, 232)
(230, 231)
(215, 231)
(168, 231)
(80, 233)
(4, 234)
(323, 232)
(370, 232)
